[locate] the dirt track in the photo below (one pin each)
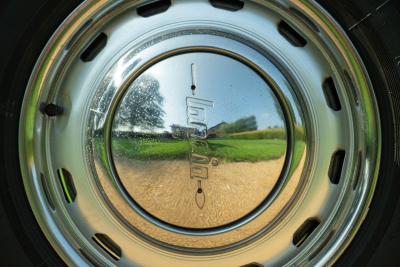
(164, 189)
(232, 196)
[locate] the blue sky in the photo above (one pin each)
(236, 90)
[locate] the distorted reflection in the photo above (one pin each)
(199, 157)
(142, 106)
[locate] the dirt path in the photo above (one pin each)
(164, 189)
(225, 206)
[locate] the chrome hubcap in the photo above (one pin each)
(189, 132)
(183, 143)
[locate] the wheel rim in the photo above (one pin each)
(198, 132)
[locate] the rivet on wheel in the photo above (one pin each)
(51, 110)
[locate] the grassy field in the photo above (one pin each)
(233, 150)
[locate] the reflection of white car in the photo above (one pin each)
(200, 133)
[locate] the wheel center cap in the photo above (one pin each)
(199, 140)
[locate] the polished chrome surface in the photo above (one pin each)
(144, 184)
(196, 135)
(182, 44)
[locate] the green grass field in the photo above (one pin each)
(233, 150)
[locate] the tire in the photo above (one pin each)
(377, 241)
(28, 26)
(24, 243)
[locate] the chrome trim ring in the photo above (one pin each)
(96, 162)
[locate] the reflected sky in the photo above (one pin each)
(235, 89)
(193, 93)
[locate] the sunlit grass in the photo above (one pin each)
(233, 150)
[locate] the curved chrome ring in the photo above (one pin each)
(325, 177)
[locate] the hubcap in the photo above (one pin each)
(177, 146)
(157, 133)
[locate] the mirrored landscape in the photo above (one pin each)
(195, 144)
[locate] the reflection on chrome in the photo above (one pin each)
(197, 134)
(198, 107)
(170, 131)
(212, 241)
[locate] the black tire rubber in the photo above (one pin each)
(374, 28)
(26, 26)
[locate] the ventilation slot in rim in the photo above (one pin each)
(45, 187)
(67, 185)
(89, 258)
(231, 5)
(153, 8)
(94, 47)
(253, 264)
(291, 35)
(108, 245)
(335, 169)
(305, 230)
(331, 94)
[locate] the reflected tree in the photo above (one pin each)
(241, 125)
(142, 105)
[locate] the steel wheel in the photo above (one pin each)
(198, 132)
